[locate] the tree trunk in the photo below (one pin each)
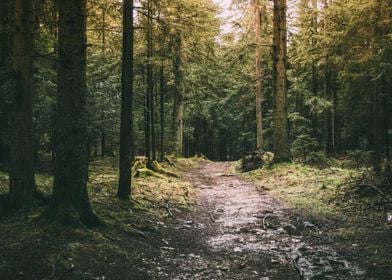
(103, 142)
(162, 111)
(70, 203)
(149, 84)
(21, 185)
(179, 98)
(5, 78)
(162, 89)
(377, 130)
(327, 113)
(103, 133)
(259, 75)
(280, 137)
(333, 114)
(385, 101)
(126, 130)
(315, 78)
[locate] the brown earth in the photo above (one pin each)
(239, 232)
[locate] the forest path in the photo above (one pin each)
(236, 231)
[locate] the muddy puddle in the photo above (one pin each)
(239, 232)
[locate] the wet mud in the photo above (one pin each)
(237, 231)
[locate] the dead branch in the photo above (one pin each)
(211, 218)
(265, 223)
(166, 206)
(381, 193)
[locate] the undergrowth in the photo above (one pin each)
(115, 251)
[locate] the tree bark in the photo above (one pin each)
(5, 79)
(385, 101)
(162, 111)
(152, 89)
(280, 137)
(149, 85)
(22, 183)
(103, 133)
(315, 78)
(126, 130)
(70, 203)
(259, 75)
(377, 129)
(162, 89)
(179, 97)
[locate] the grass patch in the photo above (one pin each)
(303, 187)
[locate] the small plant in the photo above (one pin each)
(303, 145)
(361, 157)
(317, 159)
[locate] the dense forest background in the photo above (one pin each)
(339, 69)
(194, 84)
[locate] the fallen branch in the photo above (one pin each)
(212, 218)
(381, 193)
(265, 223)
(166, 206)
(145, 172)
(300, 271)
(169, 161)
(56, 260)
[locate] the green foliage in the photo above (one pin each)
(361, 157)
(340, 60)
(339, 77)
(303, 144)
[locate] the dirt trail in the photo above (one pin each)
(239, 232)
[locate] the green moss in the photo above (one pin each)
(302, 186)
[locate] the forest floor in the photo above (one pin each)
(285, 222)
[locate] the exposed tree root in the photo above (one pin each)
(169, 161)
(68, 215)
(200, 155)
(10, 205)
(156, 167)
(142, 168)
(145, 172)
